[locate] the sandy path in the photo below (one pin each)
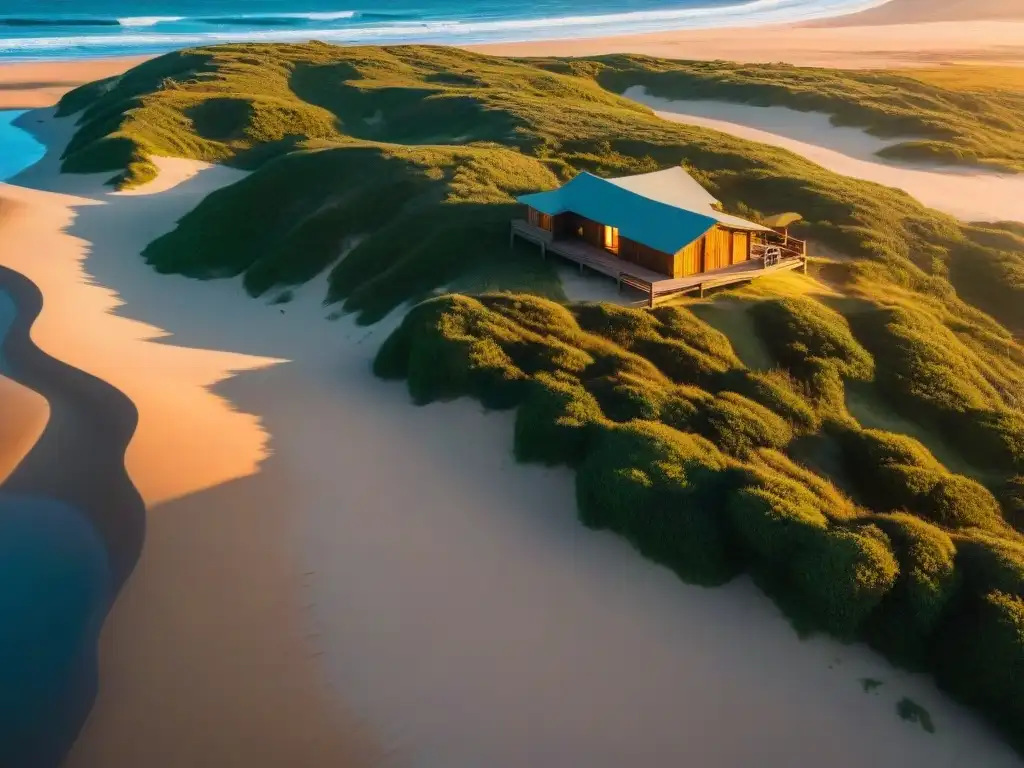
(968, 194)
(398, 558)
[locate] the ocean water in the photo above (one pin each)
(18, 149)
(59, 29)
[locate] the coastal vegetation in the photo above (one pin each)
(869, 475)
(700, 463)
(956, 117)
(399, 125)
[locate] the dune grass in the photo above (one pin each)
(968, 77)
(963, 116)
(736, 437)
(526, 124)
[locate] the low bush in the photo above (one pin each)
(776, 392)
(842, 578)
(897, 472)
(557, 422)
(928, 583)
(800, 330)
(662, 490)
(981, 659)
(738, 425)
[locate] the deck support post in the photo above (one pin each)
(543, 250)
(651, 299)
(701, 290)
(804, 266)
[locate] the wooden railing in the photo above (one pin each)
(790, 246)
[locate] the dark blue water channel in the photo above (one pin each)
(56, 576)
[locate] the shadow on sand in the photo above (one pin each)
(76, 466)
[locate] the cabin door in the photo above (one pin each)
(610, 239)
(740, 247)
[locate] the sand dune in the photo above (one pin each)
(969, 194)
(334, 577)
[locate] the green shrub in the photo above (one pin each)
(684, 348)
(449, 357)
(928, 583)
(556, 422)
(1011, 498)
(774, 523)
(982, 660)
(776, 392)
(738, 425)
(681, 407)
(842, 578)
(991, 564)
(896, 471)
(392, 358)
(662, 490)
(995, 437)
(810, 486)
(799, 330)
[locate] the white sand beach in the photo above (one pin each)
(911, 42)
(333, 576)
(970, 194)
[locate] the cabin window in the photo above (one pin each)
(611, 239)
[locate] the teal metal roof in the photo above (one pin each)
(659, 225)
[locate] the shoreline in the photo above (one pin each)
(206, 654)
(79, 457)
(78, 462)
(899, 34)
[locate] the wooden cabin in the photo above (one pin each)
(664, 222)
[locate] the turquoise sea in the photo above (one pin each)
(57, 29)
(18, 150)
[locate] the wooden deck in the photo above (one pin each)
(655, 286)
